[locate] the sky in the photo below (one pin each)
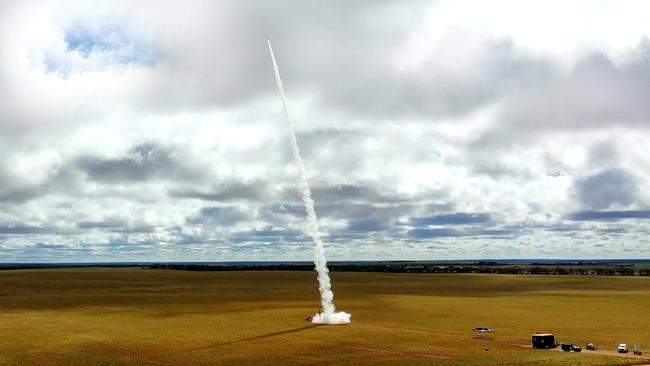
(152, 131)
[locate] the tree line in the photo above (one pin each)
(591, 270)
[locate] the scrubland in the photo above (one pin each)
(133, 316)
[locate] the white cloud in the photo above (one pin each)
(564, 29)
(147, 130)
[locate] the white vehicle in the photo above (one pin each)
(622, 348)
(483, 330)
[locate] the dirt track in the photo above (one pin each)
(630, 355)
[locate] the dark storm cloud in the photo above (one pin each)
(484, 161)
(10, 190)
(269, 235)
(21, 229)
(354, 193)
(110, 223)
(604, 153)
(19, 195)
(284, 209)
(608, 215)
(434, 233)
(311, 142)
(116, 225)
(368, 224)
(14, 189)
(231, 191)
(142, 162)
(562, 228)
(220, 216)
(596, 93)
(617, 230)
(281, 213)
(450, 232)
(459, 218)
(183, 238)
(364, 210)
(49, 246)
(360, 217)
(440, 87)
(351, 202)
(602, 190)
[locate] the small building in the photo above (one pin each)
(544, 340)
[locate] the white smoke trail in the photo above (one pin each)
(328, 314)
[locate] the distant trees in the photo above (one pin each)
(418, 267)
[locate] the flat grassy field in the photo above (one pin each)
(104, 316)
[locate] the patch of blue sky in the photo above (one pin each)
(111, 43)
(51, 64)
(85, 42)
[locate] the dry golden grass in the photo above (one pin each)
(157, 317)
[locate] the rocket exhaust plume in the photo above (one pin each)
(328, 314)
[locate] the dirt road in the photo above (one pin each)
(616, 354)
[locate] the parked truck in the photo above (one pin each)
(544, 341)
(568, 347)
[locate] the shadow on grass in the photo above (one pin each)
(263, 336)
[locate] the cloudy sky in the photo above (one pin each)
(147, 130)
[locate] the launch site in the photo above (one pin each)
(325, 183)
